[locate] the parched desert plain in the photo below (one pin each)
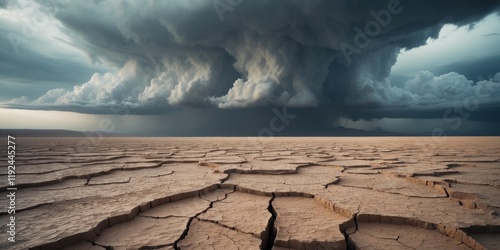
(249, 193)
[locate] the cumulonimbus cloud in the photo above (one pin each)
(296, 53)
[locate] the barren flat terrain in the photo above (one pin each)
(247, 193)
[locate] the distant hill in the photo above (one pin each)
(40, 133)
(337, 131)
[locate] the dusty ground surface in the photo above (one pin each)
(242, 193)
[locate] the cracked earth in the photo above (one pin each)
(239, 193)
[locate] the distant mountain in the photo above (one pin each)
(40, 133)
(337, 131)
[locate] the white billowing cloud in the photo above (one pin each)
(185, 81)
(430, 88)
(51, 96)
(191, 82)
(113, 88)
(274, 67)
(244, 94)
(108, 89)
(180, 81)
(427, 89)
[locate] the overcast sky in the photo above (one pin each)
(250, 67)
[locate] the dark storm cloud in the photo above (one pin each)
(3, 3)
(31, 62)
(253, 121)
(334, 55)
(30, 67)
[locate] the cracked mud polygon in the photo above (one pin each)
(281, 193)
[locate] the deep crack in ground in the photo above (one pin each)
(271, 230)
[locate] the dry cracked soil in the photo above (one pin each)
(245, 193)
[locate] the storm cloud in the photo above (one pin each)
(329, 56)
